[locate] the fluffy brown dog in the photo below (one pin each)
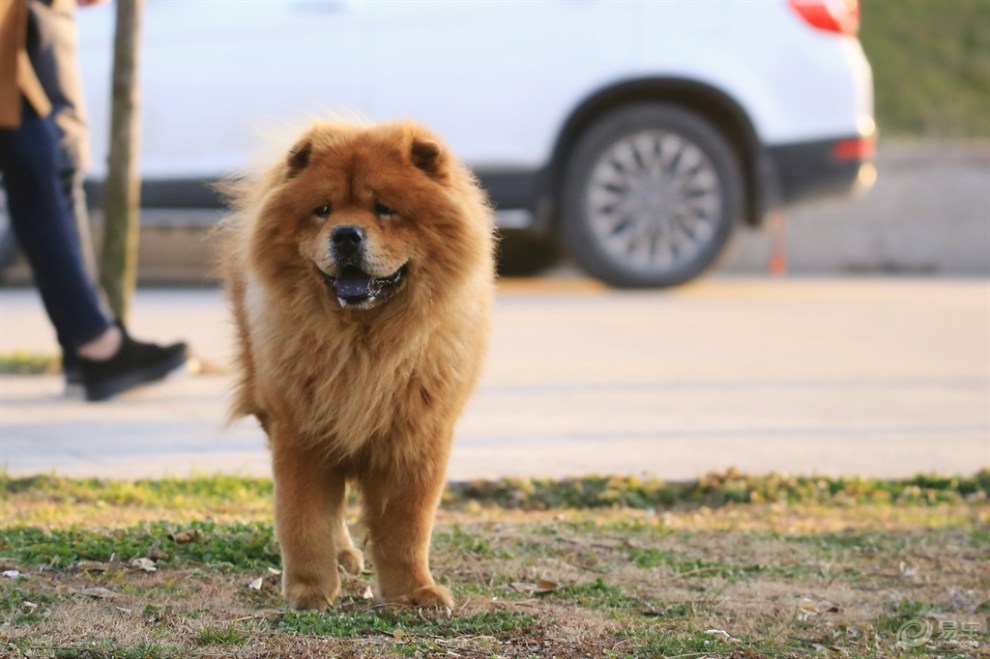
(360, 270)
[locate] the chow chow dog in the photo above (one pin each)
(360, 271)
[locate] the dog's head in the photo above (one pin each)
(366, 213)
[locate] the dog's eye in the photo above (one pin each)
(322, 211)
(382, 211)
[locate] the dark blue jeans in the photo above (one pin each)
(46, 231)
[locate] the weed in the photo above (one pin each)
(224, 636)
(399, 624)
(599, 594)
(23, 607)
(233, 546)
(462, 542)
(715, 491)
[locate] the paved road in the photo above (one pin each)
(883, 377)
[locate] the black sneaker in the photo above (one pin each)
(135, 363)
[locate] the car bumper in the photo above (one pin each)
(822, 168)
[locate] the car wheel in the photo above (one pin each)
(8, 242)
(651, 195)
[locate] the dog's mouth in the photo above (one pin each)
(356, 289)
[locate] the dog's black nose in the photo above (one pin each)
(347, 239)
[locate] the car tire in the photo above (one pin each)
(651, 195)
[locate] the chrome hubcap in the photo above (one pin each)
(654, 201)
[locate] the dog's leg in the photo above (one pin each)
(349, 557)
(398, 511)
(309, 502)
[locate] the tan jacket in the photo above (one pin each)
(16, 75)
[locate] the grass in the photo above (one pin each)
(931, 66)
(29, 363)
(238, 546)
(726, 566)
(714, 491)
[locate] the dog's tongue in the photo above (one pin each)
(353, 283)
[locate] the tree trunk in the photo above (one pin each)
(118, 265)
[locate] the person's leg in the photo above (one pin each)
(75, 197)
(110, 361)
(45, 230)
(53, 54)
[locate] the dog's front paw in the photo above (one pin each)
(351, 560)
(308, 596)
(426, 597)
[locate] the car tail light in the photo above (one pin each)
(839, 16)
(856, 148)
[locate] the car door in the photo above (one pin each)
(216, 75)
(496, 79)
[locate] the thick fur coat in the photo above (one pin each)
(360, 271)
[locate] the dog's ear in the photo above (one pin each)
(299, 157)
(428, 156)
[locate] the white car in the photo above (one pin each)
(636, 135)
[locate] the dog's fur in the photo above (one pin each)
(365, 389)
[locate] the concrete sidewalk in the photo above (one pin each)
(885, 378)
